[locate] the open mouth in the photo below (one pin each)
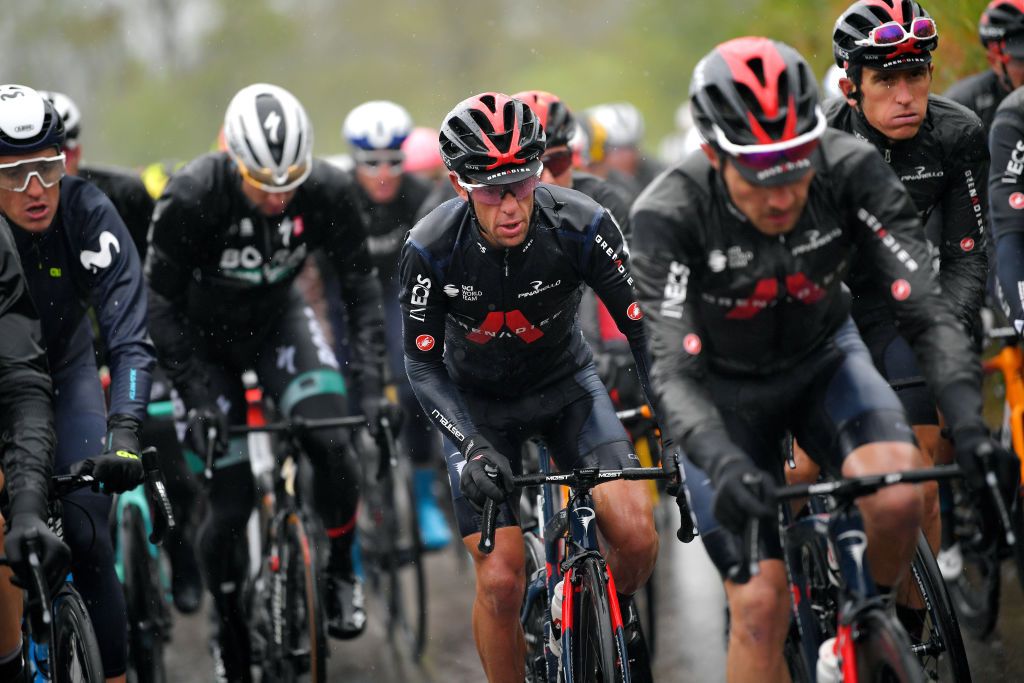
(37, 210)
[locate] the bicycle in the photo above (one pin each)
(834, 595)
(59, 640)
(564, 548)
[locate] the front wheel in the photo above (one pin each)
(590, 642)
(75, 652)
(883, 651)
(144, 602)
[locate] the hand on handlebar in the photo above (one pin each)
(375, 408)
(119, 468)
(670, 456)
(487, 474)
(978, 455)
(742, 491)
(54, 555)
(200, 421)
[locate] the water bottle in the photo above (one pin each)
(555, 637)
(828, 663)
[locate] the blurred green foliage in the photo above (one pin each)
(153, 77)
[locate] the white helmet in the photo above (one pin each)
(269, 136)
(68, 111)
(623, 122)
(830, 83)
(377, 125)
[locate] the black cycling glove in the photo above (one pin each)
(487, 473)
(119, 468)
(54, 555)
(200, 419)
(974, 447)
(742, 491)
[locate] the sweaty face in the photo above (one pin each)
(35, 207)
(895, 102)
(771, 210)
(268, 203)
(503, 225)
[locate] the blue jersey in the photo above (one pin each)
(85, 259)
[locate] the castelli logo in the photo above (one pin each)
(634, 311)
(900, 290)
(691, 343)
(967, 244)
(1017, 200)
(424, 342)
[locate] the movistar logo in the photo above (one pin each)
(95, 260)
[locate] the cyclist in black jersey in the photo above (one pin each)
(740, 254)
(26, 451)
(390, 198)
(1006, 200)
(491, 282)
(937, 149)
(229, 235)
(1001, 30)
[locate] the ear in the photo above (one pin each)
(710, 153)
(453, 178)
(848, 88)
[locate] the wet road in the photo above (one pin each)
(691, 629)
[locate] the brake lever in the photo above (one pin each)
(156, 496)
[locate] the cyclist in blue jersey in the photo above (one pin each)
(78, 253)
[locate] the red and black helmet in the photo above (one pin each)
(851, 39)
(754, 91)
(1000, 19)
(559, 123)
(493, 139)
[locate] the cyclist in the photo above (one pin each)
(623, 161)
(80, 254)
(135, 207)
(1006, 196)
(740, 254)
(26, 452)
(490, 285)
(421, 156)
(390, 198)
(938, 149)
(1001, 30)
(228, 237)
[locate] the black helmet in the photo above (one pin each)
(492, 139)
(853, 42)
(559, 123)
(28, 121)
(1001, 28)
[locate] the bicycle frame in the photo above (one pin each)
(1009, 362)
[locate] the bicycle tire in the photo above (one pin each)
(592, 647)
(144, 600)
(75, 653)
(816, 600)
(976, 591)
(941, 649)
(408, 594)
(883, 650)
(297, 640)
(536, 614)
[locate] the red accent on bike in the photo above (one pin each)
(274, 563)
(613, 602)
(339, 531)
(845, 650)
(254, 416)
(795, 590)
(568, 591)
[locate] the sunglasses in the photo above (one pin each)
(493, 194)
(763, 157)
(16, 176)
(557, 162)
(893, 33)
(264, 179)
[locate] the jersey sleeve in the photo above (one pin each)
(1006, 174)
(360, 292)
(963, 259)
(423, 330)
(118, 296)
(664, 263)
(27, 438)
(887, 228)
(175, 235)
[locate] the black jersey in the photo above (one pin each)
(387, 224)
(221, 272)
(85, 259)
(1006, 201)
(129, 195)
(944, 168)
(607, 195)
(981, 93)
(502, 322)
(723, 298)
(26, 411)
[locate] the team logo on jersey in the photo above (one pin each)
(967, 244)
(424, 342)
(95, 260)
(900, 290)
(634, 312)
(1017, 201)
(451, 290)
(692, 344)
(418, 298)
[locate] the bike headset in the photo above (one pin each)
(269, 137)
(758, 97)
(492, 139)
(853, 29)
(377, 125)
(28, 122)
(1002, 25)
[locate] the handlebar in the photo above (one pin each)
(583, 478)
